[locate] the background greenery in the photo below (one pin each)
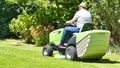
(20, 17)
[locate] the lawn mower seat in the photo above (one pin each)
(85, 27)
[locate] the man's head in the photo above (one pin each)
(83, 5)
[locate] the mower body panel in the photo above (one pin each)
(92, 44)
(55, 36)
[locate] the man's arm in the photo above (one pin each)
(72, 21)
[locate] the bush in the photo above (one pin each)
(106, 14)
(40, 34)
(30, 29)
(22, 24)
(113, 48)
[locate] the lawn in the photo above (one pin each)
(13, 54)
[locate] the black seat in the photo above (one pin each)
(87, 26)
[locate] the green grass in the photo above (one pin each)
(16, 55)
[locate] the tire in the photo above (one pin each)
(47, 50)
(71, 53)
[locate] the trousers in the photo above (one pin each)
(66, 30)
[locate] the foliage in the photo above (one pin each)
(11, 9)
(38, 21)
(22, 24)
(113, 48)
(62, 10)
(7, 12)
(29, 5)
(106, 14)
(40, 34)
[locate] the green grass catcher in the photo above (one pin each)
(86, 45)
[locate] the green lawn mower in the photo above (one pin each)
(85, 45)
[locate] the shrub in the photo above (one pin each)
(22, 24)
(40, 34)
(106, 16)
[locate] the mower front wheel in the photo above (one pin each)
(47, 50)
(71, 53)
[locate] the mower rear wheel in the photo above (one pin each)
(47, 50)
(71, 53)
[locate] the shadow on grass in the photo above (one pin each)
(102, 61)
(108, 61)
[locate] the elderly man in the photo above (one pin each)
(81, 17)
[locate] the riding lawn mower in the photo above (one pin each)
(86, 45)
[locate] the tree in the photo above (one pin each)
(7, 12)
(106, 13)
(63, 10)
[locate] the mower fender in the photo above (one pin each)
(72, 41)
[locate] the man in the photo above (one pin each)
(80, 18)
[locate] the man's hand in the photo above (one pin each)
(68, 22)
(72, 21)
